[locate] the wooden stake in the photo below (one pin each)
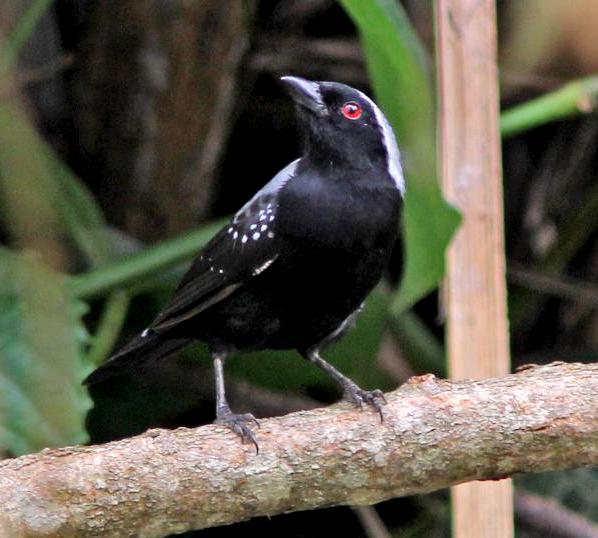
(475, 291)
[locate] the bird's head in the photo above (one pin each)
(343, 126)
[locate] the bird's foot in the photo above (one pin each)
(358, 396)
(238, 424)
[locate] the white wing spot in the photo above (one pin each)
(221, 271)
(271, 218)
(145, 333)
(230, 230)
(244, 239)
(262, 216)
(263, 267)
(235, 235)
(212, 268)
(256, 236)
(271, 235)
(263, 228)
(253, 227)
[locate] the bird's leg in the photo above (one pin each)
(224, 416)
(351, 391)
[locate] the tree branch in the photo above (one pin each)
(435, 434)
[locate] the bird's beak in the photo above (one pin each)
(306, 94)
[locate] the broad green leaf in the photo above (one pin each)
(42, 402)
(399, 73)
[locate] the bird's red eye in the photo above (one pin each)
(351, 110)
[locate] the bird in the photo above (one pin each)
(292, 268)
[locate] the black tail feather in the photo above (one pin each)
(141, 349)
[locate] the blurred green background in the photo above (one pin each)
(130, 130)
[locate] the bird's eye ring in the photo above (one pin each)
(351, 110)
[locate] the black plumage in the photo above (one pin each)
(294, 265)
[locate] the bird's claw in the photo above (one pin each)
(374, 398)
(238, 424)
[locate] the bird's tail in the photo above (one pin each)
(141, 349)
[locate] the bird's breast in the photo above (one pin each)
(338, 217)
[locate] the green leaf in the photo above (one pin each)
(429, 224)
(43, 203)
(573, 99)
(42, 402)
(134, 271)
(398, 70)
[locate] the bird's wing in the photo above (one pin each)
(241, 250)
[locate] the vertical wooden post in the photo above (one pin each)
(475, 290)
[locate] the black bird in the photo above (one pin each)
(294, 265)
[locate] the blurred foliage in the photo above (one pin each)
(576, 488)
(42, 402)
(33, 181)
(42, 351)
(21, 33)
(551, 37)
(46, 208)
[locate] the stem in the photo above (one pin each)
(135, 268)
(563, 287)
(423, 350)
(21, 33)
(470, 168)
(548, 516)
(111, 321)
(572, 99)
